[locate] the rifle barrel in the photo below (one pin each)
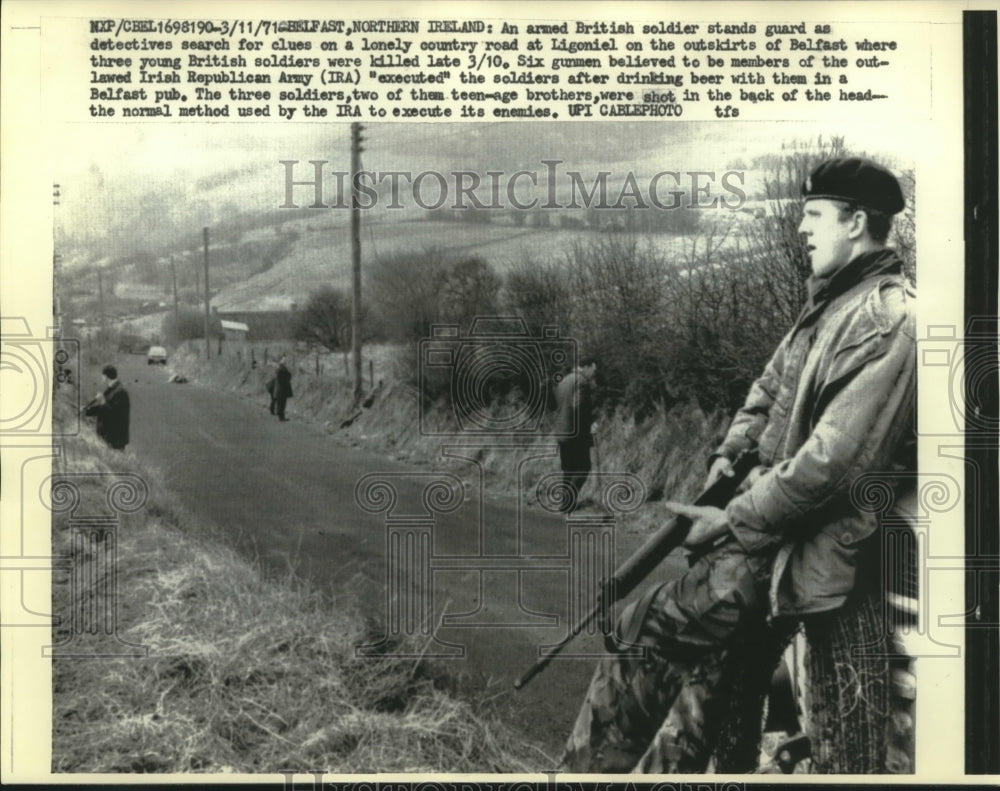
(543, 661)
(639, 565)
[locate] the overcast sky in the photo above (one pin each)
(195, 171)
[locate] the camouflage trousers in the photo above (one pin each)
(660, 705)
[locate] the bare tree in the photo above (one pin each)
(538, 292)
(904, 232)
(404, 292)
(467, 288)
(325, 320)
(618, 314)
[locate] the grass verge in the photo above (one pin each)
(242, 674)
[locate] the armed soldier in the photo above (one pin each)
(837, 400)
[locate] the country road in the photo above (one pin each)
(284, 493)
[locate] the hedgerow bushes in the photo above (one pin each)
(691, 322)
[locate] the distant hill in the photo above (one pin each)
(271, 266)
(322, 255)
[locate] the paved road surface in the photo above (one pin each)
(285, 492)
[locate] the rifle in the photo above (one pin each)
(90, 403)
(646, 558)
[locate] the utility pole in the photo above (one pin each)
(100, 297)
(177, 317)
(208, 345)
(356, 150)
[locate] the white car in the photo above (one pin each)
(157, 354)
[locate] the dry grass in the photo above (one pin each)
(244, 674)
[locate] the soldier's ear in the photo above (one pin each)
(857, 224)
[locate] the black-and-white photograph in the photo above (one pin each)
(567, 336)
(488, 445)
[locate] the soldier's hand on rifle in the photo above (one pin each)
(721, 466)
(707, 522)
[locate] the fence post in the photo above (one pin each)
(371, 374)
(317, 362)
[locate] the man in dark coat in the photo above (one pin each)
(111, 408)
(575, 404)
(282, 388)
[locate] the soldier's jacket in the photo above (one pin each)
(837, 400)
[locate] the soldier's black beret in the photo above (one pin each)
(858, 181)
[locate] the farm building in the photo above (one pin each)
(234, 330)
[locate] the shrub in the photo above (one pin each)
(325, 320)
(618, 316)
(404, 292)
(539, 293)
(447, 291)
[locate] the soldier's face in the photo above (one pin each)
(828, 238)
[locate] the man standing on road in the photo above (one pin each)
(836, 401)
(575, 404)
(111, 408)
(282, 388)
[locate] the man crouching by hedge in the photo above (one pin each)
(837, 400)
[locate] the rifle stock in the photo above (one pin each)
(642, 562)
